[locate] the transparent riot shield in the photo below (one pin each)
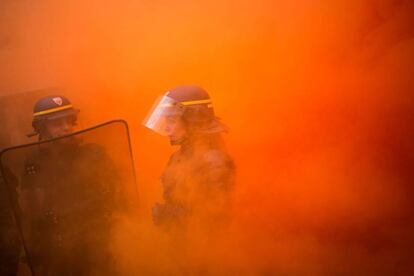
(72, 193)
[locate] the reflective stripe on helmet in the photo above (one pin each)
(52, 110)
(208, 101)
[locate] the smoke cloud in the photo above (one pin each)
(318, 96)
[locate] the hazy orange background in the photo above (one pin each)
(318, 96)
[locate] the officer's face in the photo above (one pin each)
(175, 129)
(59, 127)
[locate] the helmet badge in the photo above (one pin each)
(58, 100)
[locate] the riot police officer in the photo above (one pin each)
(199, 176)
(69, 191)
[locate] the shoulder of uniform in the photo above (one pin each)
(216, 157)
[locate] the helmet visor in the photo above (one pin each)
(162, 116)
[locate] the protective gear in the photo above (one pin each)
(190, 103)
(73, 189)
(199, 176)
(49, 108)
(197, 183)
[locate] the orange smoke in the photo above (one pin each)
(318, 96)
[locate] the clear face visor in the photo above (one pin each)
(163, 116)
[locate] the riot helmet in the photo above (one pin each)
(191, 104)
(51, 109)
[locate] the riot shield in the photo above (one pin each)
(73, 191)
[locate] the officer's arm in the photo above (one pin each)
(218, 170)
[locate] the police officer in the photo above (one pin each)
(198, 178)
(70, 192)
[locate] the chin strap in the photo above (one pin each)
(179, 142)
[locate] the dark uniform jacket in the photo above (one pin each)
(197, 183)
